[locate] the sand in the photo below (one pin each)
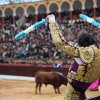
(25, 90)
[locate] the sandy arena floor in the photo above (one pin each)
(25, 90)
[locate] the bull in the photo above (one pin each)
(56, 79)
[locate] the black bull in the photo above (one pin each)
(54, 78)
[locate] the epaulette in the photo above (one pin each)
(86, 54)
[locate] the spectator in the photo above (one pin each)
(37, 44)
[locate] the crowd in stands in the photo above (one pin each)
(38, 43)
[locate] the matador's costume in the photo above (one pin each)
(85, 68)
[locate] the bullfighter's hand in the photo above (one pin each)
(50, 18)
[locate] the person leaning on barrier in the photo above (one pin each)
(85, 67)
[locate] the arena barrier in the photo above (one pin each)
(27, 70)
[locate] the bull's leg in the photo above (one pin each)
(36, 88)
(55, 89)
(58, 90)
(40, 85)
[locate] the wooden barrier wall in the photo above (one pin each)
(27, 69)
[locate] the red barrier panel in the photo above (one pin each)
(28, 69)
(65, 66)
(16, 65)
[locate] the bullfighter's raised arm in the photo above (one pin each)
(58, 38)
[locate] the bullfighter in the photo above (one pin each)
(85, 68)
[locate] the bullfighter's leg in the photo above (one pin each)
(40, 85)
(36, 88)
(72, 94)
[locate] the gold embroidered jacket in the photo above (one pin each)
(90, 56)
